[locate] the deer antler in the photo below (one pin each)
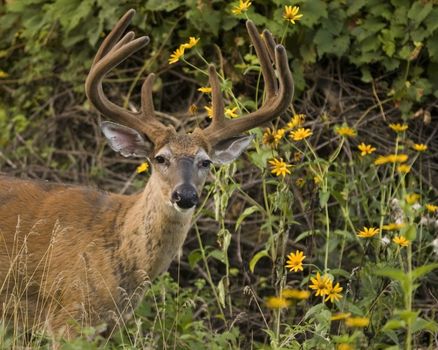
(278, 95)
(113, 51)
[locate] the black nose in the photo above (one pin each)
(185, 196)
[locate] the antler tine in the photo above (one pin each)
(128, 37)
(147, 102)
(270, 44)
(111, 53)
(93, 84)
(113, 37)
(217, 101)
(265, 63)
(278, 96)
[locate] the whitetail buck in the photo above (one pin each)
(75, 253)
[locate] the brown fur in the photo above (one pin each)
(77, 253)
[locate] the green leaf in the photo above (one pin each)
(394, 324)
(227, 240)
(353, 308)
(421, 324)
(409, 231)
(323, 198)
(392, 273)
(432, 47)
(366, 74)
(313, 11)
(323, 41)
(423, 270)
(431, 21)
(163, 5)
(218, 255)
(388, 44)
(194, 257)
(303, 235)
(407, 315)
(340, 272)
(253, 262)
(382, 10)
(355, 6)
(261, 157)
(247, 212)
(315, 310)
(221, 291)
(419, 11)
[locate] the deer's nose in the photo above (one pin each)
(185, 196)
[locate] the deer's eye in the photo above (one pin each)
(160, 159)
(205, 163)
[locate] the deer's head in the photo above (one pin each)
(182, 161)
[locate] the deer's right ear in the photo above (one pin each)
(127, 141)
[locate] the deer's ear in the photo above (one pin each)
(128, 142)
(228, 150)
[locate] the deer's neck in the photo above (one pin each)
(153, 232)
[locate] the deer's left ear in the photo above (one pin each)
(228, 150)
(127, 141)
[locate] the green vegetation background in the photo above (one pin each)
(366, 62)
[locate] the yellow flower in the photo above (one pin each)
(209, 111)
(295, 261)
(269, 138)
(3, 74)
(177, 54)
(143, 167)
(297, 156)
(320, 284)
(381, 160)
(295, 294)
(365, 149)
(401, 241)
(403, 168)
(345, 131)
(368, 232)
(297, 120)
(300, 134)
(420, 147)
(243, 6)
(412, 198)
(300, 182)
(399, 158)
(391, 158)
(279, 167)
(340, 316)
(279, 135)
(432, 208)
(205, 90)
(317, 179)
(277, 303)
(359, 322)
(397, 127)
(344, 346)
(192, 42)
(231, 112)
(193, 109)
(333, 292)
(291, 14)
(393, 226)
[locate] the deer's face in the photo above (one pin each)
(180, 164)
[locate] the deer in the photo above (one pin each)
(73, 256)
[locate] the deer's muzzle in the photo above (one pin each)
(185, 196)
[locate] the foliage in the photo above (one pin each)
(332, 182)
